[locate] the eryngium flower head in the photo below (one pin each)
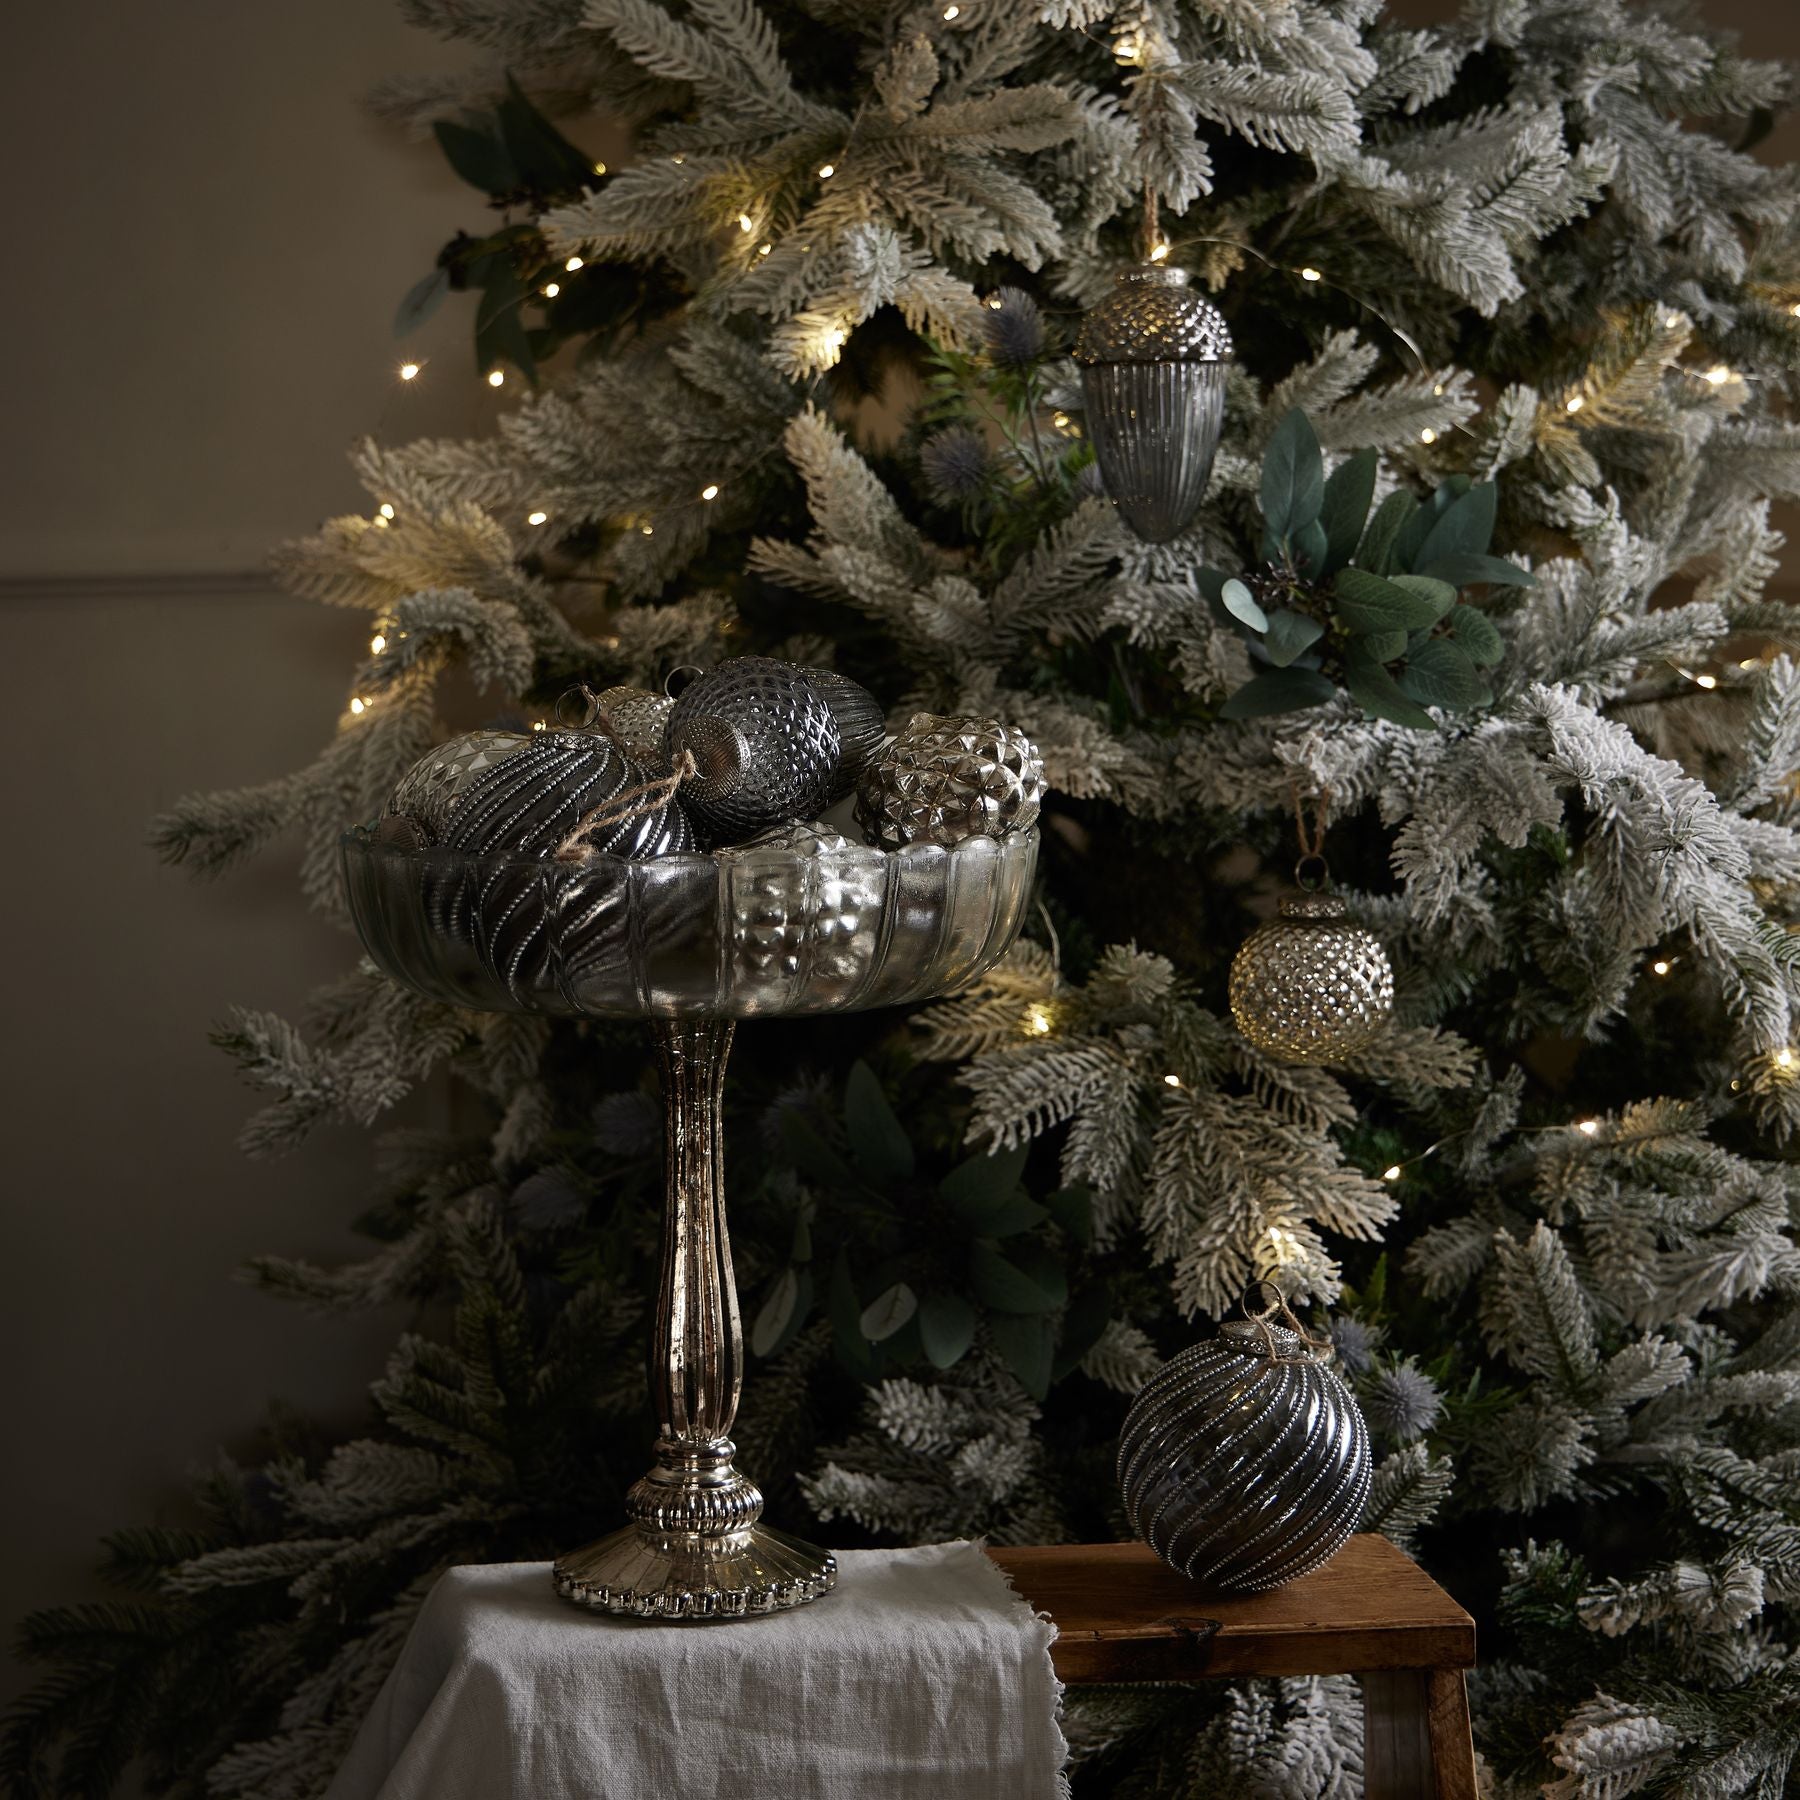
(956, 464)
(1014, 329)
(1354, 1342)
(1401, 1402)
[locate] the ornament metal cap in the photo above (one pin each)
(1151, 316)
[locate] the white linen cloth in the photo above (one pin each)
(921, 1675)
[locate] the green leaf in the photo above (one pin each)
(1044, 1267)
(1465, 568)
(1241, 604)
(1073, 1209)
(1027, 1347)
(1368, 602)
(887, 1312)
(1346, 506)
(1383, 646)
(1293, 477)
(1289, 634)
(423, 298)
(500, 334)
(1464, 529)
(983, 1184)
(946, 1329)
(879, 1145)
(845, 1313)
(1474, 633)
(1438, 673)
(1378, 694)
(776, 1313)
(477, 156)
(1003, 1285)
(1310, 548)
(1277, 691)
(1376, 551)
(1439, 594)
(544, 158)
(1082, 1325)
(810, 1154)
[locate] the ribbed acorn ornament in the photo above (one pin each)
(764, 742)
(1311, 986)
(636, 719)
(1153, 359)
(1244, 1462)
(947, 777)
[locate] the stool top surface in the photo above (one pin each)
(1122, 1614)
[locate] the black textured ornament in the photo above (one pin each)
(861, 724)
(765, 747)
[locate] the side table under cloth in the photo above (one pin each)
(1122, 1615)
(921, 1678)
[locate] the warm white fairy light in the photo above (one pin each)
(1427, 436)
(359, 706)
(1661, 966)
(1575, 403)
(1310, 274)
(496, 377)
(746, 224)
(951, 12)
(540, 725)
(1587, 1127)
(386, 509)
(536, 518)
(647, 529)
(1037, 1021)
(1127, 50)
(710, 491)
(1784, 1058)
(829, 170)
(599, 168)
(409, 371)
(1159, 253)
(1795, 309)
(377, 644)
(1171, 1081)
(1718, 375)
(764, 249)
(1706, 681)
(1391, 1172)
(552, 289)
(574, 263)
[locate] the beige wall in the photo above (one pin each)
(207, 245)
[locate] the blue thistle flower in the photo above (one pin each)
(1014, 329)
(1402, 1402)
(1355, 1343)
(957, 464)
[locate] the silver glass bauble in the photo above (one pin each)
(947, 777)
(428, 792)
(861, 724)
(635, 719)
(1310, 986)
(764, 742)
(1153, 359)
(1244, 1462)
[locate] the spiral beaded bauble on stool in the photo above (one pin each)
(1311, 987)
(1244, 1462)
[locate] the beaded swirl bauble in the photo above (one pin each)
(764, 742)
(1244, 1462)
(947, 777)
(861, 724)
(428, 792)
(1311, 987)
(1153, 360)
(636, 720)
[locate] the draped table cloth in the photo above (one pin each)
(922, 1677)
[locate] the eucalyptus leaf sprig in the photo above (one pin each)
(1369, 605)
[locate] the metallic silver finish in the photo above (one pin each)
(1311, 987)
(803, 922)
(1153, 359)
(636, 719)
(861, 724)
(947, 778)
(428, 792)
(1244, 1462)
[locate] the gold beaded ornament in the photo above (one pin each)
(1311, 986)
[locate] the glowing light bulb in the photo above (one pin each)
(386, 509)
(552, 289)
(764, 249)
(539, 725)
(1427, 436)
(1391, 1172)
(647, 529)
(573, 264)
(1749, 662)
(1311, 274)
(1060, 420)
(834, 338)
(710, 491)
(951, 12)
(1706, 681)
(1718, 375)
(1574, 403)
(599, 168)
(746, 224)
(829, 170)
(496, 377)
(1660, 966)
(1171, 1081)
(536, 518)
(359, 707)
(1588, 1127)
(1160, 253)
(377, 644)
(1039, 1020)
(1784, 1058)
(1795, 309)
(409, 371)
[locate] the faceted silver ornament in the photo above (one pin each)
(1244, 1462)
(1311, 987)
(428, 792)
(765, 744)
(1153, 360)
(948, 777)
(636, 720)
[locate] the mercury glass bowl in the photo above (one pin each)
(692, 944)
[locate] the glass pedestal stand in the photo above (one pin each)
(692, 944)
(694, 1549)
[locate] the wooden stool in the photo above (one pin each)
(1123, 1615)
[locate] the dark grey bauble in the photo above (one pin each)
(1244, 1462)
(861, 724)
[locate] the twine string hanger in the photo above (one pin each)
(1311, 872)
(1304, 1347)
(1152, 221)
(635, 802)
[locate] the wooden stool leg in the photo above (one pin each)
(1416, 1740)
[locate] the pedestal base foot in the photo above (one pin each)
(685, 1575)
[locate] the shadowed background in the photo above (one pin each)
(204, 275)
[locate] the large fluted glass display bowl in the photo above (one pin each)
(692, 944)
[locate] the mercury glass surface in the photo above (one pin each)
(805, 924)
(1311, 986)
(1240, 1470)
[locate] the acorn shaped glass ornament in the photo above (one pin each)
(1244, 1462)
(947, 777)
(1153, 357)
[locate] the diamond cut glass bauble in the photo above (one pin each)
(1311, 987)
(950, 777)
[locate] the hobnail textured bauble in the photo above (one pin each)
(1153, 359)
(1311, 987)
(428, 792)
(764, 742)
(949, 777)
(804, 897)
(636, 719)
(861, 724)
(1242, 1468)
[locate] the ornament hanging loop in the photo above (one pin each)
(1312, 872)
(1152, 221)
(1294, 1344)
(579, 696)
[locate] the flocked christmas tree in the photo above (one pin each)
(799, 382)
